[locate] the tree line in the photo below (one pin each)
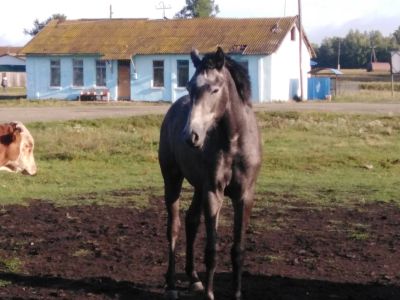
(356, 49)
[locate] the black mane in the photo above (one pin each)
(241, 78)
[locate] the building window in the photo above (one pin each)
(77, 65)
(293, 34)
(101, 73)
(55, 73)
(158, 73)
(183, 72)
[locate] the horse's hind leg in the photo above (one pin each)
(192, 222)
(172, 191)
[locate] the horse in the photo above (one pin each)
(210, 137)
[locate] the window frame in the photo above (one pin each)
(55, 73)
(158, 74)
(77, 72)
(182, 72)
(101, 73)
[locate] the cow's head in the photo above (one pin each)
(16, 149)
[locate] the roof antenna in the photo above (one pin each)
(284, 10)
(162, 6)
(276, 28)
(111, 12)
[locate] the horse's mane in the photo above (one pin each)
(241, 78)
(239, 73)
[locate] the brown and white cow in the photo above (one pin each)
(16, 149)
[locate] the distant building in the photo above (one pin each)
(12, 66)
(378, 66)
(140, 59)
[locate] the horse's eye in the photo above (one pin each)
(214, 91)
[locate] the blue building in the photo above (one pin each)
(139, 59)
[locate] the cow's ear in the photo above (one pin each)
(194, 55)
(16, 131)
(219, 58)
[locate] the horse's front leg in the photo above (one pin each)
(172, 192)
(213, 204)
(192, 223)
(242, 205)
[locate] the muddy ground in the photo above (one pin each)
(294, 251)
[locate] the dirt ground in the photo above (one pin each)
(294, 251)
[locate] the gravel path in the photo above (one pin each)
(107, 110)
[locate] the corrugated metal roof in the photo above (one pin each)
(124, 38)
(4, 50)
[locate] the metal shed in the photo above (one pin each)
(320, 84)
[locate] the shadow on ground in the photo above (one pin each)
(256, 287)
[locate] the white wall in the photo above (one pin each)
(285, 76)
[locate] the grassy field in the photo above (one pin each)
(367, 96)
(327, 159)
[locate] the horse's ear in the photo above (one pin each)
(194, 55)
(219, 58)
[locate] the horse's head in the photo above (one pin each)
(208, 95)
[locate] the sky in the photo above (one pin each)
(321, 18)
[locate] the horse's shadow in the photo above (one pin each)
(255, 287)
(103, 286)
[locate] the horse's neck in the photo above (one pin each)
(235, 113)
(235, 116)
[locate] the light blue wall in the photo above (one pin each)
(38, 77)
(142, 87)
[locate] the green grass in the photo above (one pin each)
(323, 157)
(12, 265)
(85, 161)
(318, 158)
(367, 96)
(23, 102)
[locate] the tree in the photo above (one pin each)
(198, 9)
(356, 49)
(396, 36)
(37, 25)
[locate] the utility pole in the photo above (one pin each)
(111, 12)
(162, 6)
(301, 52)
(338, 55)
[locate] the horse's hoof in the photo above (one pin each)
(196, 287)
(171, 295)
(237, 296)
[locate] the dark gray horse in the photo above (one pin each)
(211, 138)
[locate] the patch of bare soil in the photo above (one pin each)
(298, 252)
